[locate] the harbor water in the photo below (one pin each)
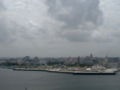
(37, 80)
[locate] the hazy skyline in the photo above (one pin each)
(59, 27)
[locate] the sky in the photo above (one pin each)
(55, 28)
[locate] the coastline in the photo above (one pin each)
(68, 72)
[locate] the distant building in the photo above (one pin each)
(88, 60)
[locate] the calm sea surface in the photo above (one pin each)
(19, 80)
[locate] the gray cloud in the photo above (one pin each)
(4, 33)
(59, 27)
(1, 5)
(80, 17)
(19, 20)
(75, 13)
(77, 36)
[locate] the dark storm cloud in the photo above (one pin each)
(76, 13)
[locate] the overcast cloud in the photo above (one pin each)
(59, 27)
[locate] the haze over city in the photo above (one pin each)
(59, 28)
